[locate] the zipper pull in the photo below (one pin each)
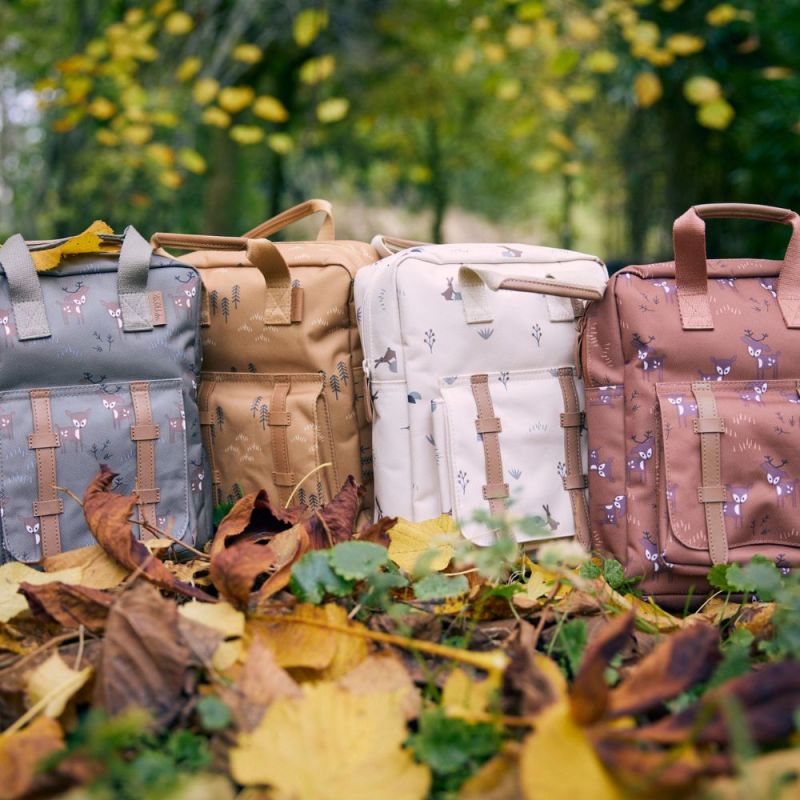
(369, 408)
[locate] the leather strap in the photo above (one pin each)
(711, 494)
(49, 505)
(327, 231)
(207, 432)
(495, 490)
(574, 480)
(691, 279)
(145, 433)
(389, 245)
(279, 421)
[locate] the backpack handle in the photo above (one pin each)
(327, 230)
(473, 283)
(284, 302)
(389, 245)
(27, 300)
(691, 274)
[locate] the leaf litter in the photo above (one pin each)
(300, 657)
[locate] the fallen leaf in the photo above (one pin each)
(377, 532)
(646, 611)
(679, 662)
(68, 605)
(22, 752)
(98, 569)
(222, 617)
(143, 663)
(201, 786)
(356, 741)
(540, 585)
(107, 516)
(87, 242)
(589, 694)
(463, 696)
(774, 775)
(53, 683)
(432, 539)
(558, 761)
(14, 574)
(238, 571)
(335, 521)
(497, 779)
(384, 672)
(311, 652)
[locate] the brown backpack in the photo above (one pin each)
(281, 391)
(692, 373)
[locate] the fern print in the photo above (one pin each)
(486, 333)
(504, 378)
(225, 305)
(263, 416)
(213, 302)
(536, 333)
(463, 481)
(255, 405)
(219, 417)
(430, 339)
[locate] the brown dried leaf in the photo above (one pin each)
(335, 521)
(677, 663)
(98, 569)
(589, 694)
(22, 752)
(239, 571)
(377, 532)
(144, 661)
(107, 516)
(68, 605)
(497, 779)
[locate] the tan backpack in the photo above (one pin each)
(281, 390)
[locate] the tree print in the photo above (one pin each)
(430, 339)
(263, 416)
(219, 417)
(236, 295)
(504, 378)
(226, 308)
(213, 302)
(301, 496)
(335, 386)
(255, 405)
(344, 375)
(463, 481)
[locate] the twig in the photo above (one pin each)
(56, 640)
(79, 655)
(304, 479)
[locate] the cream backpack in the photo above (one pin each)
(473, 392)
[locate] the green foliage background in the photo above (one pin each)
(590, 124)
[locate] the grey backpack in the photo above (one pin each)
(98, 364)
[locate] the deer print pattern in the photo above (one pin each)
(73, 303)
(79, 420)
(603, 468)
(32, 526)
(8, 330)
(640, 455)
(7, 425)
(650, 361)
(734, 508)
(114, 311)
(766, 360)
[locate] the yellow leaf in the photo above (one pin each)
(384, 672)
(247, 53)
(86, 242)
(464, 697)
(164, 118)
(647, 89)
(102, 108)
(270, 108)
(463, 61)
(171, 178)
(222, 617)
(21, 754)
(410, 540)
(777, 73)
(137, 134)
(671, 5)
(509, 89)
(494, 52)
(642, 34)
(701, 89)
(544, 160)
(646, 611)
(481, 23)
(554, 100)
(15, 573)
(316, 70)
(188, 68)
(192, 160)
(357, 743)
(204, 91)
(333, 109)
(558, 761)
(178, 23)
(246, 134)
(98, 570)
(685, 44)
(420, 173)
(560, 141)
(164, 156)
(717, 114)
(106, 137)
(659, 57)
(519, 36)
(216, 117)
(583, 29)
(308, 24)
(236, 98)
(163, 7)
(601, 61)
(497, 779)
(723, 14)
(281, 143)
(52, 684)
(299, 646)
(581, 92)
(96, 49)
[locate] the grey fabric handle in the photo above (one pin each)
(132, 271)
(27, 301)
(25, 290)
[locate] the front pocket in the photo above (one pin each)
(61, 436)
(759, 470)
(267, 431)
(528, 458)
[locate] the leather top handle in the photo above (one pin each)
(327, 231)
(261, 253)
(691, 275)
(389, 245)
